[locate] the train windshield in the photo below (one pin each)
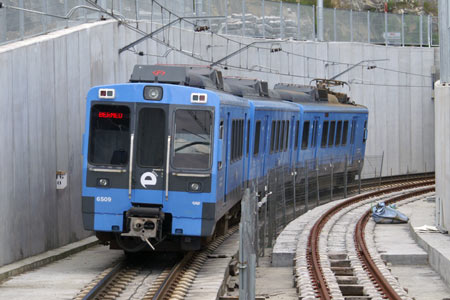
(109, 140)
(192, 141)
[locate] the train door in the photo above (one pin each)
(227, 134)
(148, 159)
(291, 137)
(246, 141)
(352, 139)
(265, 133)
(315, 133)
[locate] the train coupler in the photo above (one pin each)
(144, 223)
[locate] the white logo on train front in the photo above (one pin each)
(148, 178)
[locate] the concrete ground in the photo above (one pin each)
(275, 283)
(397, 244)
(61, 279)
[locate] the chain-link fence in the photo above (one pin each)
(288, 192)
(250, 18)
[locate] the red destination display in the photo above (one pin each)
(110, 115)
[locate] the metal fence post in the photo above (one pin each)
(209, 13)
(368, 26)
(359, 176)
(281, 21)
(3, 31)
(351, 25)
(345, 176)
(331, 180)
(21, 21)
(66, 9)
(403, 29)
(421, 30)
(43, 18)
(272, 217)
(294, 194)
(381, 167)
(263, 19)
(317, 183)
(243, 18)
(385, 29)
(298, 21)
(334, 25)
(283, 195)
(247, 255)
(306, 187)
(314, 37)
(226, 16)
(429, 30)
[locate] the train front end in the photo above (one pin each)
(148, 176)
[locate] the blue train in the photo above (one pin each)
(167, 156)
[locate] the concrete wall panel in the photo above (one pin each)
(442, 133)
(427, 114)
(6, 175)
(48, 130)
(19, 235)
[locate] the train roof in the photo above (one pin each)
(333, 107)
(235, 90)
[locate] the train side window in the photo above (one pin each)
(286, 144)
(365, 132)
(331, 133)
(282, 135)
(277, 137)
(257, 136)
(272, 138)
(315, 133)
(338, 133)
(192, 139)
(248, 136)
(345, 133)
(324, 134)
(305, 135)
(352, 136)
(233, 138)
(241, 138)
(221, 129)
(297, 124)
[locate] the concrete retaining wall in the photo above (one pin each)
(442, 135)
(44, 80)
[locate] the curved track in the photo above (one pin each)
(320, 284)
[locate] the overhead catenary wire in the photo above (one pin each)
(248, 46)
(94, 6)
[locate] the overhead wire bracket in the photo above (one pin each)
(151, 34)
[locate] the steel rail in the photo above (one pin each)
(99, 287)
(363, 252)
(313, 258)
(164, 288)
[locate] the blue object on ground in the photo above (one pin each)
(383, 214)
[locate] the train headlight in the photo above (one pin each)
(103, 182)
(153, 93)
(194, 187)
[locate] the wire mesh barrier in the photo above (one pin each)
(20, 19)
(288, 192)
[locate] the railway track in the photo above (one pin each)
(175, 280)
(332, 274)
(172, 283)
